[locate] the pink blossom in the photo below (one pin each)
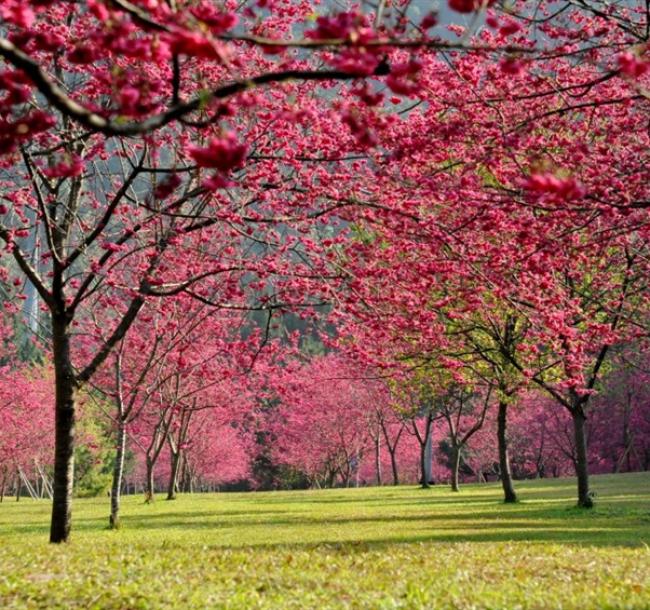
(224, 153)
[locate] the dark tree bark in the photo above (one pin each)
(455, 468)
(66, 387)
(423, 480)
(175, 441)
(428, 458)
(581, 462)
(378, 460)
(540, 467)
(173, 477)
(150, 488)
(393, 465)
(17, 485)
(185, 476)
(392, 447)
(509, 495)
(423, 439)
(158, 439)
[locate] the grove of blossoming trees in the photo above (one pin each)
(432, 179)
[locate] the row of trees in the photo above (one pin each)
(468, 195)
(321, 424)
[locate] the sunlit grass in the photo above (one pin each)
(368, 548)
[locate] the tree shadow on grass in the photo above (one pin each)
(557, 525)
(427, 498)
(612, 536)
(623, 537)
(434, 516)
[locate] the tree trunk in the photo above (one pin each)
(150, 489)
(425, 451)
(182, 476)
(118, 473)
(509, 495)
(455, 465)
(378, 459)
(186, 476)
(345, 475)
(428, 456)
(65, 394)
(626, 457)
(423, 466)
(393, 465)
(581, 463)
(173, 477)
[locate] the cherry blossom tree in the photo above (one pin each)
(512, 212)
(25, 430)
(134, 133)
(321, 424)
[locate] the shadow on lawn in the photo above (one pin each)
(611, 536)
(619, 519)
(560, 525)
(428, 497)
(623, 537)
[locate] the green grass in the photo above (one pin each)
(368, 548)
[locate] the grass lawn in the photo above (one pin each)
(368, 548)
